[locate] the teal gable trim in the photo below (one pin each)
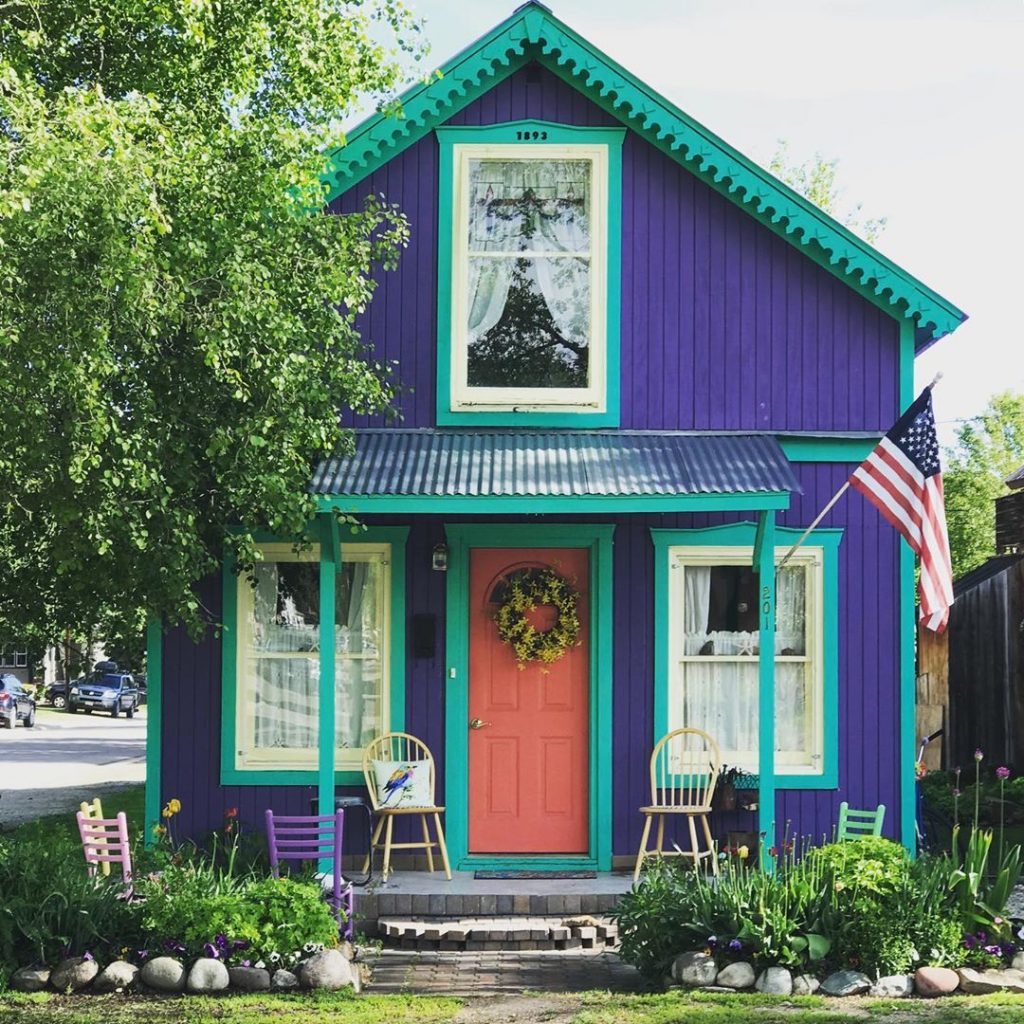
(533, 33)
(154, 727)
(572, 504)
(823, 448)
(461, 538)
(745, 535)
(396, 536)
(554, 134)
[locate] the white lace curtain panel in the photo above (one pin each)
(721, 696)
(556, 221)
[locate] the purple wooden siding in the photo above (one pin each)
(725, 326)
(868, 676)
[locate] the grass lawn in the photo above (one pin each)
(130, 799)
(583, 1008)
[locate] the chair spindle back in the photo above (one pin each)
(105, 841)
(855, 824)
(394, 746)
(307, 837)
(684, 769)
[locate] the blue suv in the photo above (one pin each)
(113, 692)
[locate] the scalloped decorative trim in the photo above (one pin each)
(534, 33)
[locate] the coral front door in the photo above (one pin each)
(529, 725)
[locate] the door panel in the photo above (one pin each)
(529, 761)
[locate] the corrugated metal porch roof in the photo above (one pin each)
(495, 463)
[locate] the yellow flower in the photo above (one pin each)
(743, 852)
(172, 808)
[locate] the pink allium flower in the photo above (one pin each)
(1002, 772)
(978, 755)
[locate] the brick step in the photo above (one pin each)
(385, 902)
(497, 933)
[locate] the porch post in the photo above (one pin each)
(329, 558)
(764, 557)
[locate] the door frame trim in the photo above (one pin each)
(462, 538)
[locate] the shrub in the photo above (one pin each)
(188, 907)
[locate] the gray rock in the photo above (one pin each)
(328, 970)
(1018, 962)
(116, 977)
(935, 981)
(73, 974)
(805, 984)
(250, 979)
(694, 969)
(163, 973)
(893, 986)
(737, 975)
(30, 979)
(283, 980)
(207, 975)
(775, 981)
(349, 952)
(978, 983)
(846, 983)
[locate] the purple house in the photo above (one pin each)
(636, 366)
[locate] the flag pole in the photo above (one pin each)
(828, 508)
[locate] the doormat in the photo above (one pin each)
(534, 874)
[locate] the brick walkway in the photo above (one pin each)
(478, 973)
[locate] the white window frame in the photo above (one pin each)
(593, 398)
(811, 762)
(247, 756)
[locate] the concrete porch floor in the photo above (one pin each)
(463, 883)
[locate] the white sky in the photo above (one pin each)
(921, 101)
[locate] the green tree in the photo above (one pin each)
(815, 180)
(989, 448)
(177, 324)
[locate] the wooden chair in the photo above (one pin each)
(400, 746)
(684, 770)
(312, 837)
(93, 810)
(105, 841)
(854, 824)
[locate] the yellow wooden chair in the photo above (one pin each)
(684, 770)
(93, 811)
(400, 746)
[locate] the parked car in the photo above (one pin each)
(114, 692)
(140, 682)
(57, 694)
(15, 703)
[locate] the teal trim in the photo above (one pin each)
(329, 564)
(764, 547)
(509, 504)
(154, 726)
(461, 539)
(397, 537)
(554, 134)
(745, 535)
(908, 635)
(823, 448)
(533, 33)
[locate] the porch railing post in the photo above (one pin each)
(764, 553)
(329, 557)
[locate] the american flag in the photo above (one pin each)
(903, 478)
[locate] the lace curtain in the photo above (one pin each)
(519, 209)
(721, 696)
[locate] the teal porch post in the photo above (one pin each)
(764, 559)
(329, 558)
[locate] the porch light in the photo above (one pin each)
(439, 558)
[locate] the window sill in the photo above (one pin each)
(584, 418)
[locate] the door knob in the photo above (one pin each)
(478, 723)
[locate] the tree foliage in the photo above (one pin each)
(989, 448)
(177, 329)
(816, 180)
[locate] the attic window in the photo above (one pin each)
(529, 268)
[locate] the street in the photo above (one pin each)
(64, 759)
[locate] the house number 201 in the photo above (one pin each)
(534, 136)
(766, 606)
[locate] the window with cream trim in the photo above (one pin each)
(714, 646)
(529, 277)
(278, 660)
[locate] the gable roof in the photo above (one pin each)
(532, 32)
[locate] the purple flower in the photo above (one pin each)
(88, 956)
(970, 942)
(211, 951)
(994, 950)
(978, 755)
(982, 937)
(142, 954)
(735, 945)
(239, 945)
(222, 941)
(247, 963)
(712, 941)
(1002, 772)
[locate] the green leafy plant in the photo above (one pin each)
(979, 893)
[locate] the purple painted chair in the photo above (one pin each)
(309, 837)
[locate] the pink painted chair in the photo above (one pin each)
(312, 837)
(105, 841)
